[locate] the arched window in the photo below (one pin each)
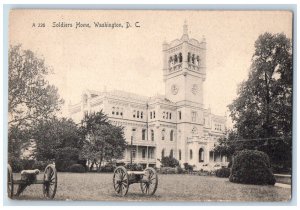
(201, 155)
(134, 113)
(191, 154)
(163, 153)
(117, 111)
(180, 57)
(171, 153)
(179, 154)
(113, 110)
(170, 61)
(152, 135)
(175, 59)
(193, 59)
(163, 133)
(171, 135)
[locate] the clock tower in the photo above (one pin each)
(184, 68)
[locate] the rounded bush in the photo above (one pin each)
(251, 167)
(76, 168)
(223, 172)
(169, 162)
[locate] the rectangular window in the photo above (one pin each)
(143, 134)
(150, 115)
(141, 115)
(179, 115)
(194, 116)
(134, 113)
(138, 114)
(153, 114)
(170, 115)
(167, 115)
(144, 153)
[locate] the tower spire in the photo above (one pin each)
(185, 28)
(185, 36)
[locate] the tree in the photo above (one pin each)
(228, 144)
(104, 141)
(263, 108)
(30, 96)
(55, 134)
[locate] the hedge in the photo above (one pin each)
(76, 168)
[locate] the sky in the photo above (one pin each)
(131, 59)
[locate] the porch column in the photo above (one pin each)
(147, 157)
(137, 154)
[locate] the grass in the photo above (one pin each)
(98, 186)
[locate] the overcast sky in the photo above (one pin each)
(131, 59)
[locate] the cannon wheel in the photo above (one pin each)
(50, 181)
(150, 181)
(10, 182)
(120, 181)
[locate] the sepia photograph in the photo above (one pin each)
(150, 105)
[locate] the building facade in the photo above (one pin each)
(175, 124)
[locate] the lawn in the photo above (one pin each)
(98, 186)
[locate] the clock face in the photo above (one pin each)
(195, 89)
(174, 89)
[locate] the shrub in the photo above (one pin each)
(66, 157)
(41, 165)
(188, 167)
(223, 172)
(134, 167)
(15, 164)
(251, 167)
(179, 170)
(281, 168)
(167, 170)
(169, 162)
(107, 168)
(18, 164)
(76, 168)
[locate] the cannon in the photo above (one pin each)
(28, 177)
(122, 179)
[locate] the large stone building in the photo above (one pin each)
(176, 123)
